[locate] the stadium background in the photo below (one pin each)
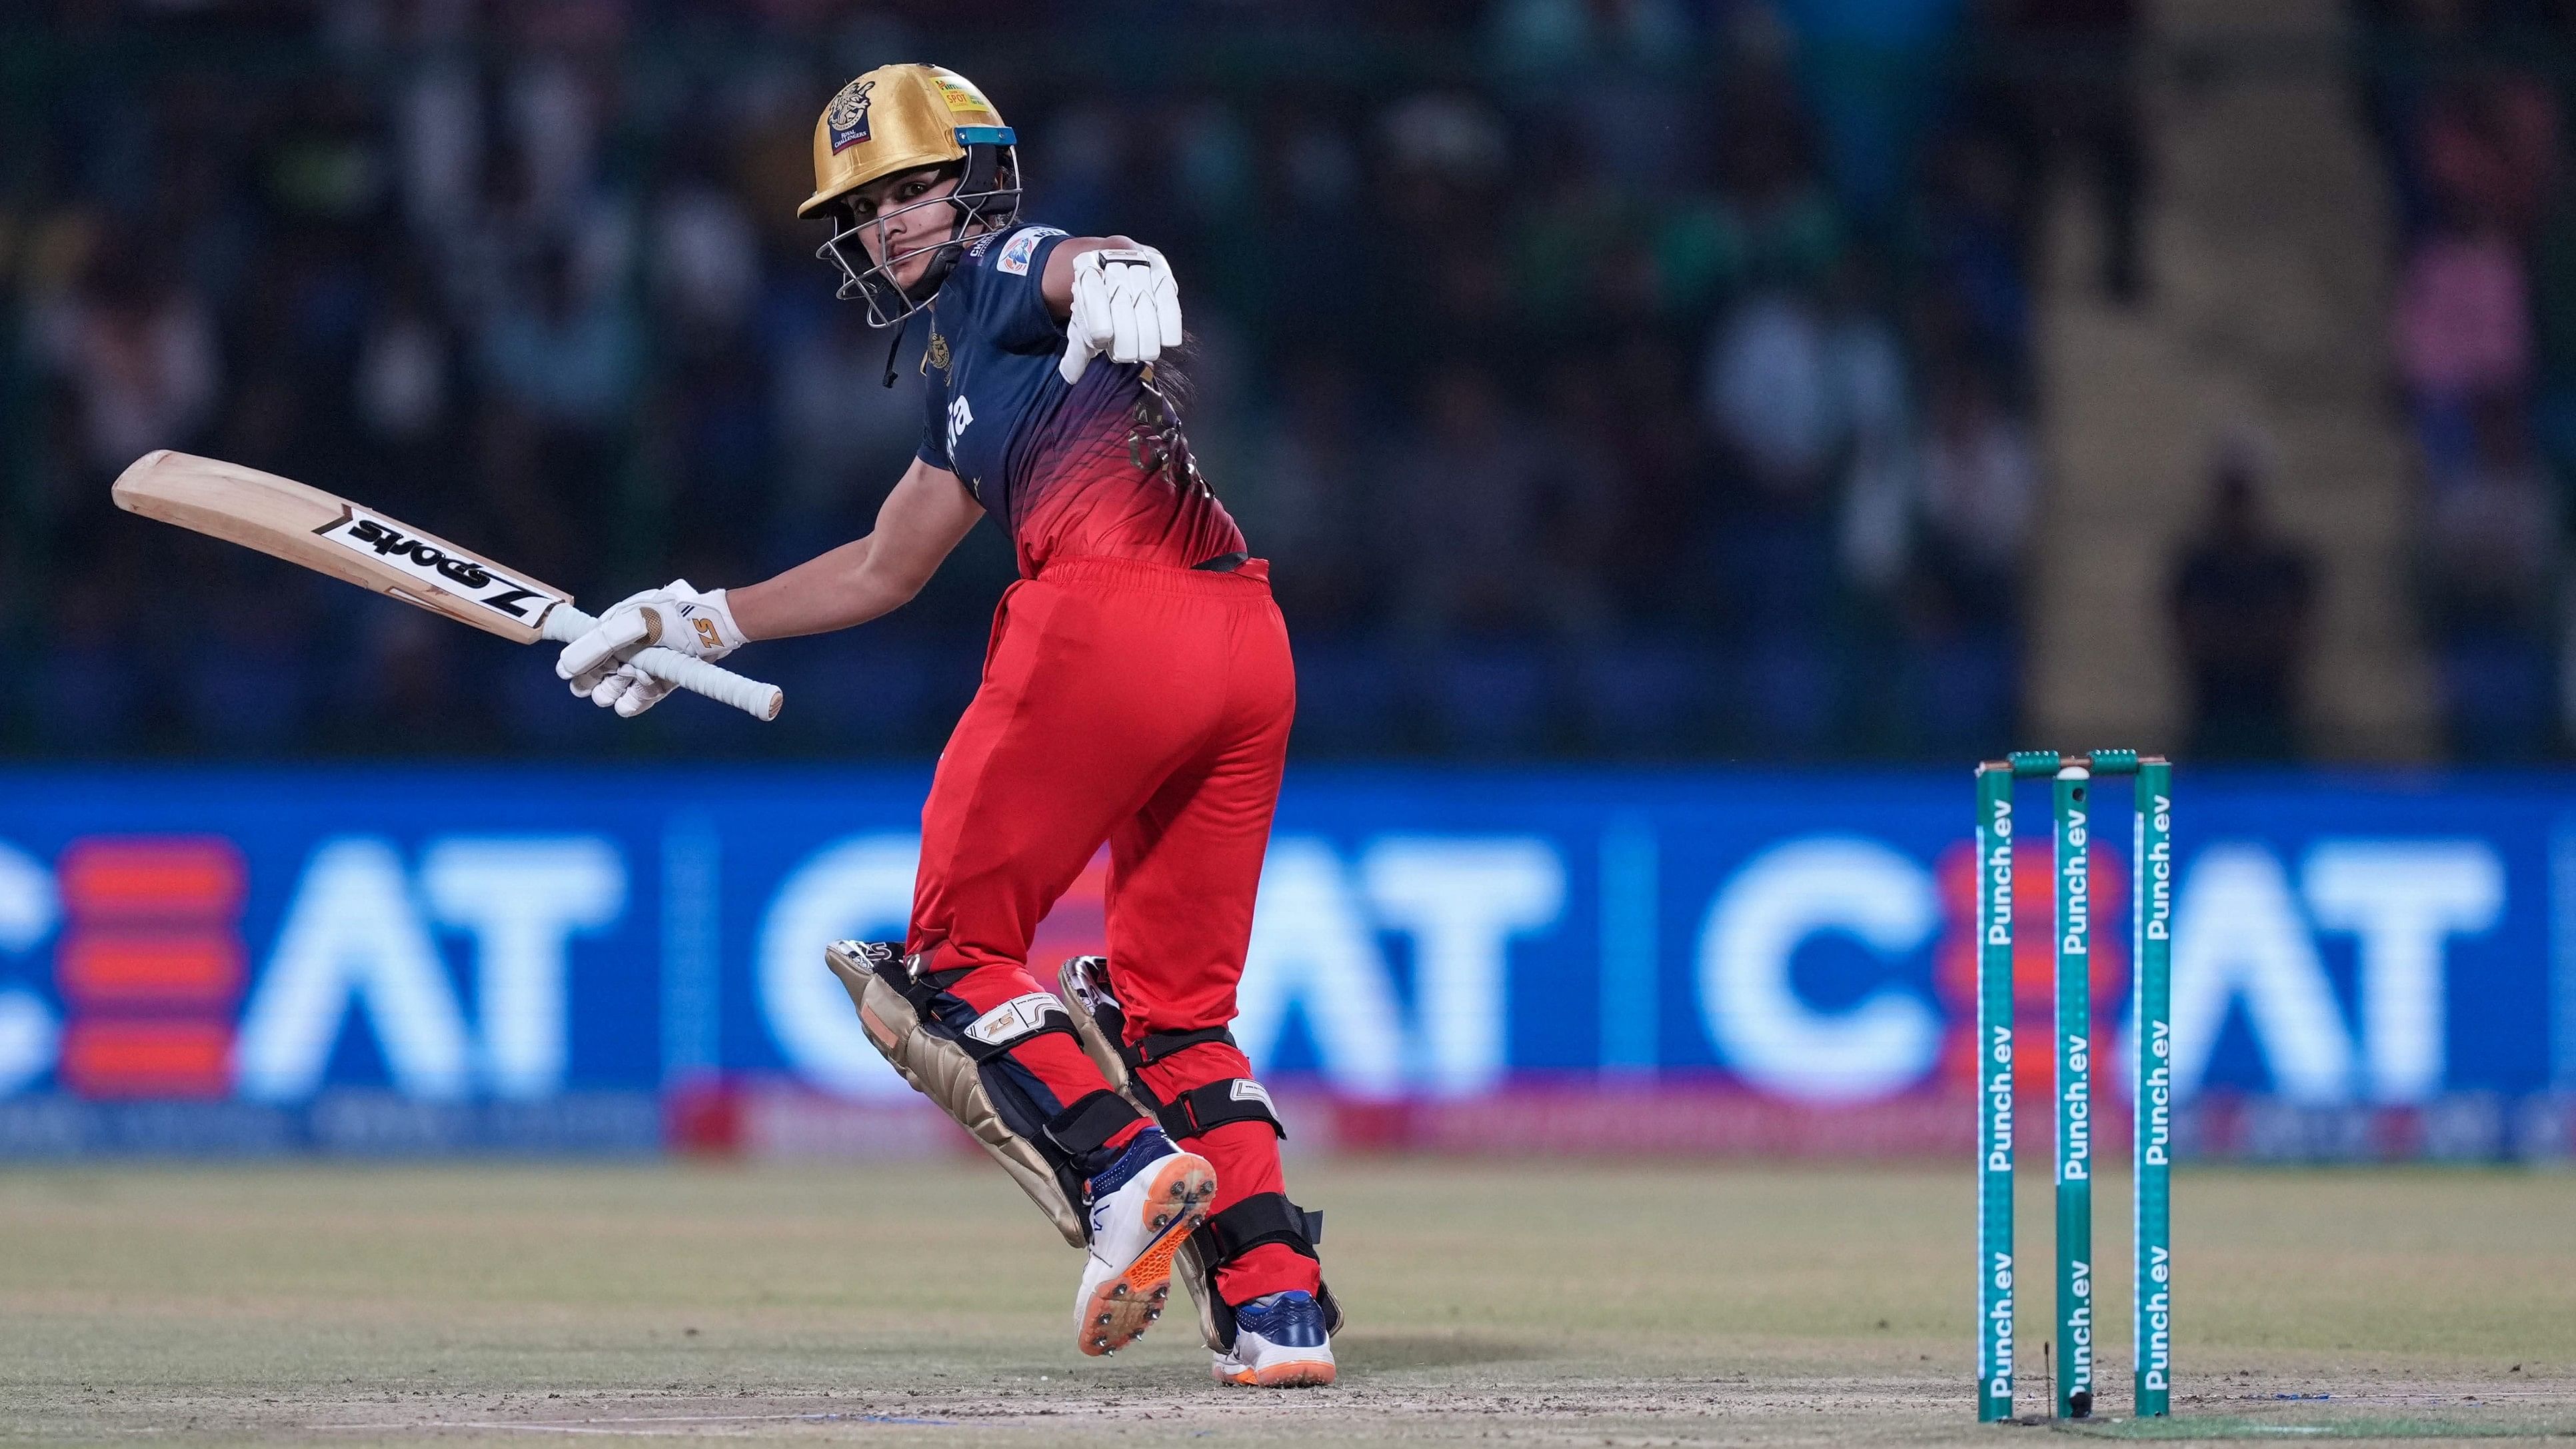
(1687, 435)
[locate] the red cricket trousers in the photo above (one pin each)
(1148, 706)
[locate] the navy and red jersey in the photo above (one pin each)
(1098, 468)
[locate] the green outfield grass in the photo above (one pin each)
(1707, 1304)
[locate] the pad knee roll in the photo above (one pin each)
(956, 1056)
(1100, 1023)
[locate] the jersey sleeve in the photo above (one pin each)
(1006, 299)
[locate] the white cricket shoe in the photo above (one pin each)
(1142, 1208)
(1279, 1343)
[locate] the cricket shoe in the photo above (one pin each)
(1143, 1207)
(1279, 1343)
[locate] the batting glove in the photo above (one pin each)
(677, 617)
(1125, 304)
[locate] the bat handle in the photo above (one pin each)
(564, 623)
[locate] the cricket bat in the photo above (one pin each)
(285, 519)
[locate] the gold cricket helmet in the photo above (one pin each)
(898, 118)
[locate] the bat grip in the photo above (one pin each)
(564, 623)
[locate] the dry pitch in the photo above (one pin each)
(910, 1304)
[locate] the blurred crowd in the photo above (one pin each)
(1609, 377)
(2469, 101)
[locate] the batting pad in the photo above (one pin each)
(943, 1069)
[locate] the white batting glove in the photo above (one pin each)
(626, 689)
(1125, 304)
(677, 617)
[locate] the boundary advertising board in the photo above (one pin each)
(1547, 961)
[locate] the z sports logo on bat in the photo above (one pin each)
(465, 578)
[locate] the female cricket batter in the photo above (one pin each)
(1137, 690)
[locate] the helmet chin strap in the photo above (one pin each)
(942, 262)
(902, 325)
(943, 259)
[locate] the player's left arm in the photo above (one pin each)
(922, 520)
(1116, 298)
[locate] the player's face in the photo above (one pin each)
(899, 218)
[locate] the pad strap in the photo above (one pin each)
(914, 976)
(1214, 1104)
(1161, 1044)
(1086, 1126)
(1267, 1217)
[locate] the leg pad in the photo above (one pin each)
(958, 1058)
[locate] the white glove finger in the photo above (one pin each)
(612, 687)
(619, 635)
(1126, 342)
(1082, 332)
(1149, 329)
(1077, 356)
(645, 693)
(1163, 294)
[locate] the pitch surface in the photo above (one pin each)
(926, 1303)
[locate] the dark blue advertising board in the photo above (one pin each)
(274, 959)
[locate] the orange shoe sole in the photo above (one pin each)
(1122, 1308)
(1284, 1376)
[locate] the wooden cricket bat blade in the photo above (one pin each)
(329, 534)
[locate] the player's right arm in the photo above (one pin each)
(919, 525)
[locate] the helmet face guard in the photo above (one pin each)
(987, 200)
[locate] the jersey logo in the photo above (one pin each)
(959, 416)
(848, 116)
(936, 354)
(1022, 248)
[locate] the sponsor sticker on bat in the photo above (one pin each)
(470, 579)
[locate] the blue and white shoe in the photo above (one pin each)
(1143, 1207)
(1279, 1343)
